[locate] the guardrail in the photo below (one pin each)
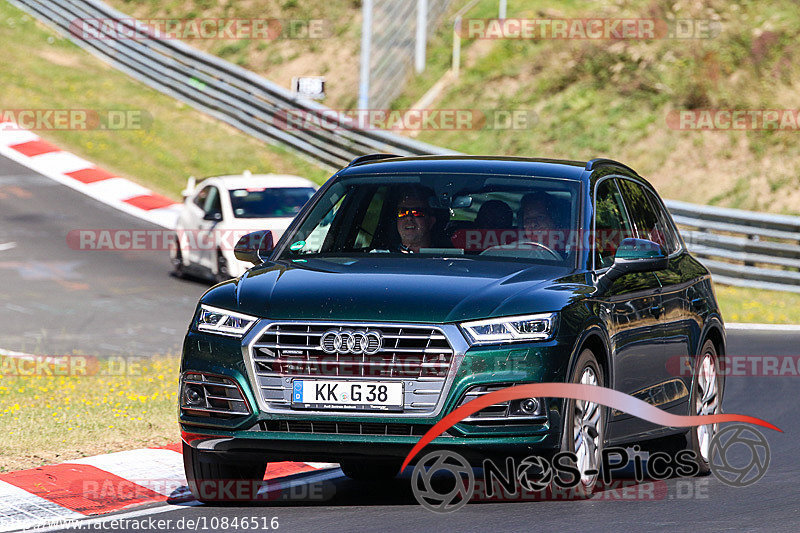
(739, 247)
(742, 248)
(228, 92)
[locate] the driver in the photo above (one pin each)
(535, 216)
(415, 220)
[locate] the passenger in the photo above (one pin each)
(494, 214)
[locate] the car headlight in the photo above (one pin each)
(223, 322)
(511, 329)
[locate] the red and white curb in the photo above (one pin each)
(30, 150)
(108, 483)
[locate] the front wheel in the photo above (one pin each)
(584, 425)
(212, 479)
(223, 271)
(176, 259)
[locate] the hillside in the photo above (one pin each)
(42, 71)
(333, 51)
(619, 98)
(588, 97)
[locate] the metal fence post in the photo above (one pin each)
(422, 36)
(366, 45)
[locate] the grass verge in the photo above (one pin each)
(739, 304)
(43, 71)
(49, 419)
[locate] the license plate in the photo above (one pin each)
(359, 395)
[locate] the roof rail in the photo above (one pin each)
(370, 157)
(594, 163)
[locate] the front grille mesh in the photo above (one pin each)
(406, 352)
(345, 428)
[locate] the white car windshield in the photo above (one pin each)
(265, 202)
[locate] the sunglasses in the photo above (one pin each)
(416, 213)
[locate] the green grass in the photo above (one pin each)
(43, 71)
(758, 306)
(71, 414)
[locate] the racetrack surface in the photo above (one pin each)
(690, 504)
(56, 299)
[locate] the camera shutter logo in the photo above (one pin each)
(451, 499)
(723, 451)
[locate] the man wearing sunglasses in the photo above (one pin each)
(415, 220)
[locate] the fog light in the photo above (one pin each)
(529, 406)
(194, 396)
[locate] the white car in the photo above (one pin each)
(218, 211)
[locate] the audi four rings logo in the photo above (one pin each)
(348, 341)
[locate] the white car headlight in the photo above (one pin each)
(538, 327)
(223, 322)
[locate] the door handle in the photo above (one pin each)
(657, 310)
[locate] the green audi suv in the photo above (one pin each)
(408, 286)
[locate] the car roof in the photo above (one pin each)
(519, 166)
(260, 180)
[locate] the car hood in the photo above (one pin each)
(398, 290)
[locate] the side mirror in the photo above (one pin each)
(191, 184)
(216, 216)
(254, 247)
(636, 255)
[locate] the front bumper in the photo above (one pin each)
(481, 365)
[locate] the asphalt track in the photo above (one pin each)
(56, 300)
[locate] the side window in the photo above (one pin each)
(665, 221)
(611, 223)
(213, 203)
(648, 224)
(202, 196)
(313, 237)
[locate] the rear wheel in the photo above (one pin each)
(371, 470)
(584, 425)
(212, 479)
(706, 400)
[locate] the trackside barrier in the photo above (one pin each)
(740, 247)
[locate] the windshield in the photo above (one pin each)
(472, 215)
(262, 202)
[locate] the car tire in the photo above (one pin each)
(584, 425)
(371, 470)
(706, 399)
(223, 272)
(207, 476)
(176, 258)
